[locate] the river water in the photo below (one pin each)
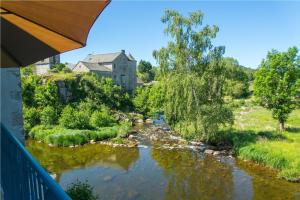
(148, 172)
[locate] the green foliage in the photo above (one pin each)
(149, 99)
(104, 91)
(237, 79)
(49, 116)
(67, 117)
(29, 85)
(46, 94)
(277, 83)
(192, 75)
(31, 118)
(58, 68)
(140, 100)
(81, 191)
(60, 136)
(28, 70)
(75, 118)
(124, 128)
(102, 118)
(255, 138)
(145, 71)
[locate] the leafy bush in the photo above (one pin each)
(67, 117)
(104, 133)
(41, 132)
(49, 116)
(60, 136)
(47, 94)
(102, 118)
(81, 191)
(31, 118)
(124, 128)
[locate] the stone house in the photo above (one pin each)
(119, 66)
(43, 66)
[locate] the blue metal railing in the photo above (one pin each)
(22, 178)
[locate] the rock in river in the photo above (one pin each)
(209, 151)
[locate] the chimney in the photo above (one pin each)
(123, 51)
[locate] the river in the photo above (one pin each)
(148, 172)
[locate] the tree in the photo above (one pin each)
(237, 79)
(144, 66)
(193, 74)
(277, 83)
(146, 71)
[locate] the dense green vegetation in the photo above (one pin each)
(192, 76)
(199, 92)
(255, 137)
(87, 113)
(81, 191)
(145, 71)
(277, 83)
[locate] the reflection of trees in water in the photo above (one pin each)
(189, 177)
(266, 185)
(57, 160)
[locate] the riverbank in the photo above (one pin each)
(256, 138)
(60, 136)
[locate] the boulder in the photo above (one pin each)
(209, 151)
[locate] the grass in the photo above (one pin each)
(256, 138)
(59, 136)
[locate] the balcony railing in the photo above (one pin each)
(22, 178)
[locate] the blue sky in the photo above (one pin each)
(248, 29)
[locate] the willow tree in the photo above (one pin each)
(277, 83)
(193, 74)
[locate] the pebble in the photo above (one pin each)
(209, 151)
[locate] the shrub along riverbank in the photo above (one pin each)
(257, 138)
(59, 136)
(66, 109)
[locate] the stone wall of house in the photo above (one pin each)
(11, 101)
(124, 72)
(43, 66)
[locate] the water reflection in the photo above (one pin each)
(265, 185)
(151, 173)
(59, 160)
(192, 177)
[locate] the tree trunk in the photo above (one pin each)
(281, 125)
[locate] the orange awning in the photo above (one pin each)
(34, 30)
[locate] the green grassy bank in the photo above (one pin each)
(60, 136)
(257, 138)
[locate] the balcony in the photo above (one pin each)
(22, 178)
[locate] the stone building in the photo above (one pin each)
(121, 67)
(43, 66)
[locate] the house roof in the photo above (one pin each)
(70, 65)
(105, 58)
(95, 66)
(99, 58)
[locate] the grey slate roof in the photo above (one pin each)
(99, 58)
(95, 67)
(105, 58)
